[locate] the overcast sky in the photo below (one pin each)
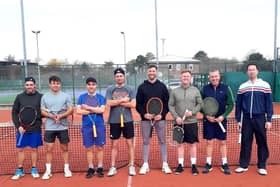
(89, 30)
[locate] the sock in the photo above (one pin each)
(181, 161)
(193, 160)
(208, 160)
(48, 167)
(90, 166)
(224, 160)
(100, 165)
(164, 164)
(66, 166)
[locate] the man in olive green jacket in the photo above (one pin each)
(184, 103)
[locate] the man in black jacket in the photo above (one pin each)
(152, 88)
(32, 136)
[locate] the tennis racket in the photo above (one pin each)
(27, 117)
(93, 102)
(178, 131)
(154, 107)
(240, 135)
(210, 107)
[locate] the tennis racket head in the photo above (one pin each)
(154, 106)
(210, 106)
(27, 116)
(178, 134)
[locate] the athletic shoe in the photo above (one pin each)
(241, 170)
(166, 169)
(131, 170)
(19, 173)
(99, 172)
(207, 168)
(194, 170)
(34, 173)
(225, 169)
(90, 173)
(67, 173)
(47, 175)
(179, 169)
(112, 172)
(262, 171)
(144, 169)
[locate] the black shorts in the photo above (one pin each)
(61, 135)
(116, 130)
(190, 132)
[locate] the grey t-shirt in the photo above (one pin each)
(56, 103)
(114, 92)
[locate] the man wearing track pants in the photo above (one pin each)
(254, 100)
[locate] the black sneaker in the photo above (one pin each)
(226, 169)
(207, 168)
(99, 172)
(90, 173)
(194, 170)
(179, 169)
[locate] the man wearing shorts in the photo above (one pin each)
(254, 100)
(184, 103)
(211, 129)
(148, 89)
(121, 99)
(56, 106)
(32, 136)
(87, 126)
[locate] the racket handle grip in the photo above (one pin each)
(184, 117)
(239, 138)
(20, 139)
(94, 131)
(122, 121)
(222, 127)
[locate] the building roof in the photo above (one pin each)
(174, 60)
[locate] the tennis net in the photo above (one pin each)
(78, 163)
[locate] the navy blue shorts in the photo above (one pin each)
(33, 139)
(213, 130)
(89, 140)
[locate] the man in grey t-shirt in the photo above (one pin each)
(121, 99)
(56, 106)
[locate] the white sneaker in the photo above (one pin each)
(144, 169)
(47, 175)
(241, 170)
(131, 170)
(262, 171)
(166, 169)
(67, 173)
(112, 172)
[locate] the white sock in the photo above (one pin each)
(208, 160)
(90, 166)
(181, 161)
(164, 164)
(100, 165)
(224, 160)
(193, 160)
(48, 167)
(66, 166)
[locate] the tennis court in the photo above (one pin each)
(155, 177)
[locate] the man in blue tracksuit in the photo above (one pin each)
(254, 100)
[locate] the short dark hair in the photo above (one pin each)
(186, 71)
(152, 66)
(54, 78)
(252, 64)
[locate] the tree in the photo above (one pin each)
(201, 55)
(141, 61)
(10, 58)
(150, 56)
(55, 62)
(260, 60)
(108, 64)
(130, 66)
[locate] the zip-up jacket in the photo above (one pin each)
(148, 90)
(22, 100)
(254, 99)
(183, 98)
